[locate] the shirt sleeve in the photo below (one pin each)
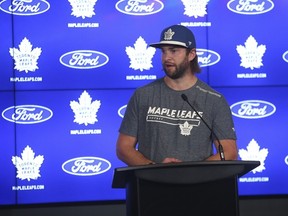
(223, 125)
(129, 125)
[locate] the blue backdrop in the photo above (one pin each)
(68, 69)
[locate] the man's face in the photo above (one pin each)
(175, 61)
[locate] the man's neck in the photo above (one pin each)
(181, 83)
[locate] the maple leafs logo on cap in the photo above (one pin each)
(168, 34)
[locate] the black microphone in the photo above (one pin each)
(220, 147)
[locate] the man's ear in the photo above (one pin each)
(192, 54)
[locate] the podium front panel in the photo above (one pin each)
(148, 198)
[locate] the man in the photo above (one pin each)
(160, 125)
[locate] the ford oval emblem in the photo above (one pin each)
(84, 59)
(25, 8)
(27, 114)
(285, 56)
(253, 109)
(121, 111)
(250, 7)
(207, 57)
(86, 166)
(139, 8)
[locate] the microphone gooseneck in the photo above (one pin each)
(220, 147)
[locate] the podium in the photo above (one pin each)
(182, 189)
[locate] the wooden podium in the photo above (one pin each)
(183, 189)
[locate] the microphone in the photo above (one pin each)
(220, 147)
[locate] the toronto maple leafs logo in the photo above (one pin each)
(185, 128)
(195, 8)
(83, 8)
(168, 34)
(28, 167)
(254, 152)
(25, 57)
(85, 111)
(140, 56)
(251, 54)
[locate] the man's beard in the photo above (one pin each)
(180, 69)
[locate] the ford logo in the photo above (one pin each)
(286, 159)
(207, 57)
(121, 111)
(285, 56)
(24, 8)
(250, 7)
(86, 166)
(84, 59)
(139, 7)
(27, 114)
(252, 109)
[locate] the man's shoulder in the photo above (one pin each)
(203, 87)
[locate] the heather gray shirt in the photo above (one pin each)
(166, 126)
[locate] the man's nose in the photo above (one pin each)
(166, 56)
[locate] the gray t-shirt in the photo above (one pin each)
(166, 126)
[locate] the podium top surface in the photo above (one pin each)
(184, 172)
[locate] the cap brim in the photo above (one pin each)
(163, 43)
